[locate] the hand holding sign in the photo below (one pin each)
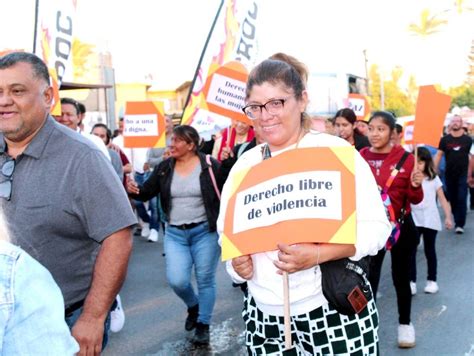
(298, 257)
(289, 197)
(243, 266)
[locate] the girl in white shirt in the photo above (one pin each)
(427, 219)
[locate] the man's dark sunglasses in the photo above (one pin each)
(6, 186)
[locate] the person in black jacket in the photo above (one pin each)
(190, 201)
(344, 122)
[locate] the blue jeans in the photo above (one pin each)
(185, 248)
(72, 318)
(456, 188)
(153, 217)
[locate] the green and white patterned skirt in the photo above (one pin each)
(322, 331)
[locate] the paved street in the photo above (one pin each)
(444, 322)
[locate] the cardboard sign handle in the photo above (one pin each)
(286, 305)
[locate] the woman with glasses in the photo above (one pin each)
(190, 202)
(276, 100)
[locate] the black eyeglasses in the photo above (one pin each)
(6, 186)
(273, 107)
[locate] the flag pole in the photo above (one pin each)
(196, 73)
(416, 154)
(286, 306)
(35, 31)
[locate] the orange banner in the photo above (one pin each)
(144, 124)
(225, 91)
(360, 105)
(302, 195)
(233, 37)
(431, 110)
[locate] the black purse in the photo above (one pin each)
(345, 285)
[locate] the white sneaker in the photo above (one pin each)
(406, 336)
(413, 288)
(153, 237)
(117, 317)
(459, 230)
(431, 287)
(145, 229)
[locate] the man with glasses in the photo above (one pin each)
(64, 204)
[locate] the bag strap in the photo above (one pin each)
(242, 148)
(394, 172)
(213, 178)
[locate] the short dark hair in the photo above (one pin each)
(399, 128)
(82, 107)
(72, 102)
(40, 69)
(188, 134)
(107, 130)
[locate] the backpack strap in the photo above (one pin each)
(213, 178)
(395, 171)
(242, 148)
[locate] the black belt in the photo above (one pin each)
(187, 226)
(73, 307)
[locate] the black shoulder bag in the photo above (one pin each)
(345, 285)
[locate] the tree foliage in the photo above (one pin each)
(396, 100)
(428, 24)
(462, 95)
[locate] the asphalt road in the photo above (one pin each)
(444, 322)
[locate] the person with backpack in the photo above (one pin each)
(400, 186)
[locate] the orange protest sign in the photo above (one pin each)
(407, 138)
(360, 105)
(431, 110)
(302, 195)
(144, 124)
(225, 91)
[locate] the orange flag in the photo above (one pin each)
(431, 110)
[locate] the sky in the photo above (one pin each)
(165, 38)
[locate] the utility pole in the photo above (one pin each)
(366, 71)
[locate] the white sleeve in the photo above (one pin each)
(437, 183)
(99, 143)
(373, 227)
(225, 196)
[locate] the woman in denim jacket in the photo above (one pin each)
(31, 305)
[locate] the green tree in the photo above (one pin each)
(462, 95)
(412, 88)
(396, 100)
(428, 24)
